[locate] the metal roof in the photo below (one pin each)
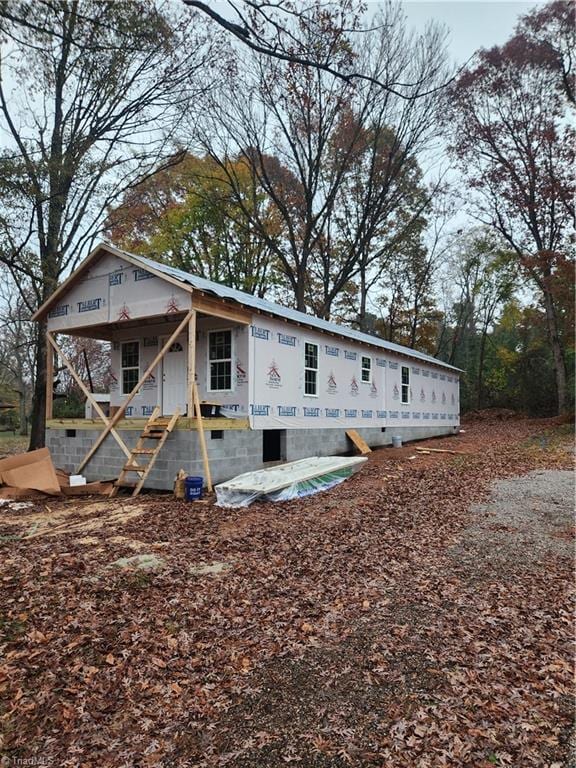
(286, 313)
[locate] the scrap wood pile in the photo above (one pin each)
(361, 627)
(34, 474)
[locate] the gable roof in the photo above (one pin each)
(172, 274)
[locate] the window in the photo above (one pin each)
(130, 353)
(220, 360)
(366, 375)
(405, 384)
(311, 369)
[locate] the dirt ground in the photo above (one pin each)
(419, 615)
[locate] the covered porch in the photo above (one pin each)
(186, 365)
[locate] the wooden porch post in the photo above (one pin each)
(202, 438)
(117, 416)
(193, 400)
(191, 364)
(49, 377)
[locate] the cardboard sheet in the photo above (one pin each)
(33, 471)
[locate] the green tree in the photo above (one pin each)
(187, 216)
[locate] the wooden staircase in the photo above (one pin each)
(158, 429)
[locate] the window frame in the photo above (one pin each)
(219, 360)
(316, 370)
(404, 387)
(362, 369)
(129, 367)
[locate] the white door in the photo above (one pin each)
(174, 367)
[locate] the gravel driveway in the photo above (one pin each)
(527, 520)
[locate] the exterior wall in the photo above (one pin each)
(237, 399)
(151, 392)
(113, 290)
(434, 394)
(237, 451)
(268, 361)
(277, 398)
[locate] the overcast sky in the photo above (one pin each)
(472, 24)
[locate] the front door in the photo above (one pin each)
(174, 366)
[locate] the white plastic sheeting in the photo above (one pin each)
(288, 481)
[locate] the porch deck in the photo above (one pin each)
(137, 424)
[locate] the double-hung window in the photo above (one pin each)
(405, 384)
(311, 369)
(130, 364)
(220, 361)
(366, 372)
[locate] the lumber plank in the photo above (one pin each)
(107, 422)
(202, 438)
(49, 379)
(358, 441)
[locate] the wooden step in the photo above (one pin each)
(152, 435)
(132, 468)
(146, 451)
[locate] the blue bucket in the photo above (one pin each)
(193, 488)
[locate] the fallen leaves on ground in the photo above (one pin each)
(359, 627)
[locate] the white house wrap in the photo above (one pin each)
(273, 369)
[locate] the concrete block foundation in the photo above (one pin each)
(231, 452)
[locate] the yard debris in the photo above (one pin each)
(141, 562)
(15, 505)
(209, 569)
(33, 474)
(442, 450)
(179, 484)
(33, 471)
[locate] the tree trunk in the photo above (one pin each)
(480, 377)
(38, 419)
(557, 351)
(362, 308)
(300, 293)
(23, 430)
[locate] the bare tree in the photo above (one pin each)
(268, 29)
(319, 144)
(511, 133)
(91, 95)
(17, 341)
